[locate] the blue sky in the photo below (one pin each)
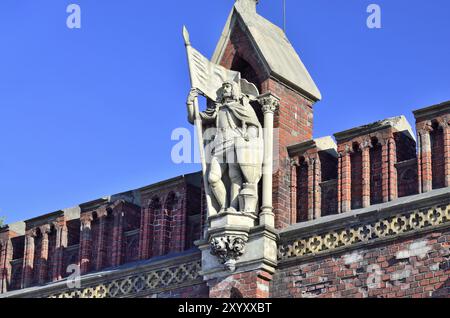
(86, 113)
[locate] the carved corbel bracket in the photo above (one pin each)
(228, 249)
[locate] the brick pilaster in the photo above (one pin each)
(85, 251)
(317, 188)
(61, 244)
(6, 253)
(117, 237)
(146, 234)
(311, 187)
(3, 245)
(345, 182)
(43, 257)
(393, 185)
(28, 261)
(161, 232)
(446, 136)
(425, 159)
(294, 189)
(101, 242)
(385, 169)
(366, 174)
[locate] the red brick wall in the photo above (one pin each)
(243, 285)
(195, 291)
(418, 267)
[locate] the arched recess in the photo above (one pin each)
(171, 218)
(356, 176)
(37, 261)
(437, 155)
(235, 293)
(302, 190)
(376, 172)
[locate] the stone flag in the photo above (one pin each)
(205, 75)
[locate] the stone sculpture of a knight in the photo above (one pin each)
(235, 149)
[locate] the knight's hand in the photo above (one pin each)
(193, 94)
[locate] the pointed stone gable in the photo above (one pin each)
(273, 54)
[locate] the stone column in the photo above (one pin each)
(60, 246)
(294, 207)
(345, 181)
(366, 173)
(269, 103)
(28, 261)
(425, 164)
(85, 244)
(43, 257)
(446, 136)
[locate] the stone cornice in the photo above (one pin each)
(395, 124)
(44, 219)
(432, 112)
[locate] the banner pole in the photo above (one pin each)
(199, 130)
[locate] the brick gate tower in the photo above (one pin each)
(261, 52)
(364, 214)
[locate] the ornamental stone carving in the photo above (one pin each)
(228, 249)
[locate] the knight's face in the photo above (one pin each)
(227, 90)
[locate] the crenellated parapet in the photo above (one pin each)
(372, 164)
(150, 222)
(313, 192)
(433, 130)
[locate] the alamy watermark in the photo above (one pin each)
(74, 279)
(74, 19)
(229, 147)
(374, 19)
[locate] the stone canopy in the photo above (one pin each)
(274, 49)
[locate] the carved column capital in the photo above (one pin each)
(443, 122)
(424, 127)
(366, 144)
(86, 221)
(345, 151)
(32, 233)
(228, 249)
(45, 231)
(294, 162)
(269, 102)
